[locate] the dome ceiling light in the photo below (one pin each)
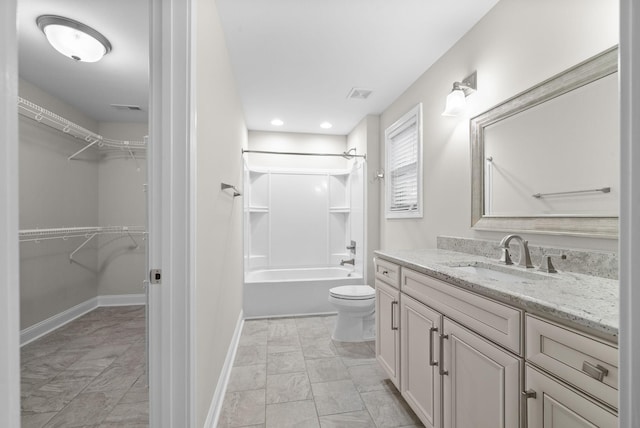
(74, 39)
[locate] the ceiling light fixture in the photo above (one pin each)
(73, 39)
(277, 122)
(456, 100)
(325, 125)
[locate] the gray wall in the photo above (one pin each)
(55, 192)
(510, 55)
(122, 202)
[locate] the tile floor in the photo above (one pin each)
(289, 373)
(88, 373)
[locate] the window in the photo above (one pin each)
(403, 141)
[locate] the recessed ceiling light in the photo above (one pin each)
(277, 122)
(73, 39)
(325, 125)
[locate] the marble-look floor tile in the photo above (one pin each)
(326, 370)
(35, 420)
(258, 338)
(369, 377)
(243, 408)
(355, 353)
(388, 409)
(87, 409)
(275, 348)
(52, 397)
(360, 419)
(250, 355)
(288, 362)
(129, 414)
(280, 330)
(299, 414)
(114, 378)
(336, 397)
(288, 387)
(319, 348)
(246, 378)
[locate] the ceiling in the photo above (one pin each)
(121, 77)
(295, 60)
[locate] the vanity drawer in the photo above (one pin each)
(585, 362)
(497, 322)
(388, 272)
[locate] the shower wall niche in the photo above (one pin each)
(301, 218)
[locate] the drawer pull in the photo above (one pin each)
(385, 272)
(443, 372)
(393, 317)
(597, 372)
(529, 393)
(431, 331)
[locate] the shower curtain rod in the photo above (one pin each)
(345, 155)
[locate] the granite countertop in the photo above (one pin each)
(588, 303)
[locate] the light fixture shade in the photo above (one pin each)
(456, 103)
(73, 39)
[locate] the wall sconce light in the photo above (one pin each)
(456, 100)
(73, 39)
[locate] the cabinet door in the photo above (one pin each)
(555, 405)
(481, 381)
(387, 328)
(420, 381)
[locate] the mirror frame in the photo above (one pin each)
(594, 68)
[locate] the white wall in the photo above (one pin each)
(365, 137)
(220, 135)
(122, 202)
(510, 54)
(55, 192)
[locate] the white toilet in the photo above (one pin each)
(356, 312)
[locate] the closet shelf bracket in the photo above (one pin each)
(89, 238)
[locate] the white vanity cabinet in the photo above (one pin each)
(388, 319)
(463, 360)
(581, 387)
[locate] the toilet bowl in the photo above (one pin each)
(356, 312)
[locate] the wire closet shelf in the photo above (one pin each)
(88, 233)
(39, 114)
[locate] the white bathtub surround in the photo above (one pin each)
(603, 264)
(298, 225)
(356, 313)
(290, 292)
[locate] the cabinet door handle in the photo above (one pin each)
(393, 317)
(431, 331)
(385, 272)
(443, 372)
(597, 372)
(529, 393)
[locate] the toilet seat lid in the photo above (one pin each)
(353, 292)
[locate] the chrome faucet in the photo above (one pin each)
(525, 257)
(351, 262)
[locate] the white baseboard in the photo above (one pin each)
(38, 330)
(221, 388)
(122, 300)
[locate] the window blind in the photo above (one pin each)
(403, 168)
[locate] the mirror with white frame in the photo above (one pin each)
(547, 160)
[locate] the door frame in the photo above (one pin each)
(629, 242)
(170, 245)
(9, 221)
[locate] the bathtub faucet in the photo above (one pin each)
(351, 262)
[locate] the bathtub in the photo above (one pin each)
(288, 292)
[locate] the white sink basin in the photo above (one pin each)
(500, 273)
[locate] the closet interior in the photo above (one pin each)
(82, 262)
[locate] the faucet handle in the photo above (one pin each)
(546, 265)
(506, 257)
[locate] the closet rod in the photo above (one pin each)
(345, 155)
